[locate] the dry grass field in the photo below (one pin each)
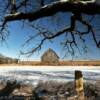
(61, 63)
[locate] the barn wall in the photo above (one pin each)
(50, 57)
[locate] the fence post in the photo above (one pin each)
(79, 85)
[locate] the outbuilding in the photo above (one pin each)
(50, 56)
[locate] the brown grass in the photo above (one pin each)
(60, 63)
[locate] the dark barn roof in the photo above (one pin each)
(50, 50)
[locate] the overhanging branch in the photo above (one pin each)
(77, 8)
(45, 37)
(51, 9)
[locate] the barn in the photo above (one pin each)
(50, 56)
(7, 60)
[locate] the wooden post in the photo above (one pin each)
(79, 85)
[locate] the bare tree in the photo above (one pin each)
(30, 11)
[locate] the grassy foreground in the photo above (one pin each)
(49, 90)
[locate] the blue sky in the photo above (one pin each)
(18, 35)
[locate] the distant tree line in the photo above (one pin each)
(8, 60)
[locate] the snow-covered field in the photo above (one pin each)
(33, 74)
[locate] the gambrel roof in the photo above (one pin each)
(48, 51)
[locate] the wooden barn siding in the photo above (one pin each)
(50, 57)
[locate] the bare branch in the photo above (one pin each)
(55, 7)
(44, 39)
(76, 8)
(94, 38)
